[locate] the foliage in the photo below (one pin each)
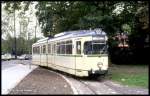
(11, 6)
(16, 45)
(23, 46)
(56, 17)
(133, 18)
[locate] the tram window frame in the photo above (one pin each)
(57, 47)
(89, 45)
(33, 50)
(36, 50)
(44, 49)
(60, 46)
(64, 47)
(49, 48)
(53, 47)
(63, 51)
(78, 50)
(39, 50)
(69, 47)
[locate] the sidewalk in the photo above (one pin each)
(13, 75)
(42, 81)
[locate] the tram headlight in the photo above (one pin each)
(99, 64)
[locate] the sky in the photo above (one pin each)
(31, 27)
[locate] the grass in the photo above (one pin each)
(132, 75)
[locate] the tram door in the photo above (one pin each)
(51, 54)
(78, 57)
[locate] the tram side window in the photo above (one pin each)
(53, 48)
(44, 49)
(69, 47)
(40, 48)
(58, 48)
(49, 48)
(62, 47)
(78, 47)
(36, 50)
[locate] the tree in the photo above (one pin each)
(56, 17)
(139, 39)
(113, 17)
(11, 8)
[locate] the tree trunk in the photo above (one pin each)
(15, 35)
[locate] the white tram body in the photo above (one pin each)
(80, 53)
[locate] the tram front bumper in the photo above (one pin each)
(97, 72)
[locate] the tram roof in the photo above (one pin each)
(79, 33)
(72, 34)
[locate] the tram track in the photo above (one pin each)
(109, 87)
(98, 87)
(93, 86)
(89, 87)
(86, 85)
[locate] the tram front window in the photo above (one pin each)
(95, 47)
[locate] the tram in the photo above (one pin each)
(80, 53)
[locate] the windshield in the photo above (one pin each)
(95, 47)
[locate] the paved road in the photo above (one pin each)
(12, 73)
(8, 64)
(12, 63)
